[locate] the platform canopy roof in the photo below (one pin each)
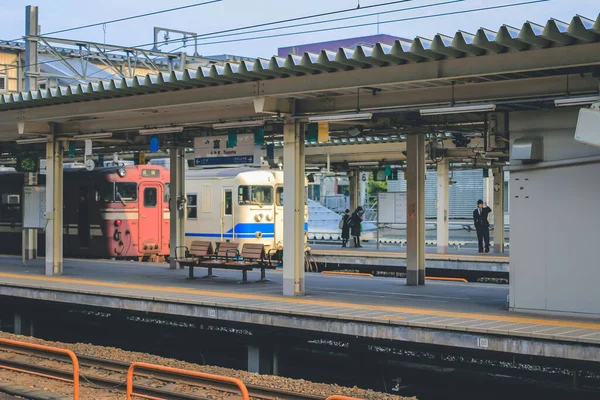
(509, 64)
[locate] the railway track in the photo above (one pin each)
(111, 375)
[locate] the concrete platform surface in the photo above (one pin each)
(343, 304)
(393, 256)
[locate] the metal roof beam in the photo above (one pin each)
(153, 118)
(445, 70)
(474, 92)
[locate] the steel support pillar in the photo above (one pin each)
(498, 210)
(263, 360)
(293, 210)
(31, 48)
(54, 207)
(415, 202)
(443, 176)
(29, 245)
(254, 359)
(18, 324)
(362, 190)
(354, 192)
(177, 203)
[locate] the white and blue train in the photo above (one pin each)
(235, 204)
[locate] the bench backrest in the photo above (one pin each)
(253, 251)
(201, 249)
(227, 249)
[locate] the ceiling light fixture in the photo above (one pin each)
(340, 117)
(576, 101)
(458, 109)
(92, 136)
(157, 131)
(238, 124)
(32, 140)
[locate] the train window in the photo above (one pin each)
(150, 197)
(125, 191)
(10, 209)
(279, 196)
(192, 206)
(228, 202)
(105, 192)
(259, 195)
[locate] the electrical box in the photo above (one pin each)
(34, 207)
(588, 126)
(528, 150)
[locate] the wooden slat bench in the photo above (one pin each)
(199, 251)
(228, 257)
(252, 256)
(224, 252)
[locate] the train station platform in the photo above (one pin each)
(390, 258)
(470, 316)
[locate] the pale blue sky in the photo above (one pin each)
(60, 14)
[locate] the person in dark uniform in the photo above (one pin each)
(482, 225)
(345, 225)
(355, 220)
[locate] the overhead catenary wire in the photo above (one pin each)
(380, 22)
(339, 19)
(116, 20)
(450, 13)
(172, 41)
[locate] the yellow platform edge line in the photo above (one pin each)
(296, 300)
(346, 273)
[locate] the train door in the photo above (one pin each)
(227, 217)
(83, 217)
(150, 216)
(278, 220)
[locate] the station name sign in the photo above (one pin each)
(214, 150)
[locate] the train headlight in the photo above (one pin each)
(118, 223)
(258, 234)
(258, 217)
(122, 172)
(269, 217)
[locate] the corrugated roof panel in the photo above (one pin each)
(555, 31)
(596, 27)
(462, 44)
(532, 33)
(580, 28)
(486, 39)
(463, 41)
(442, 44)
(509, 37)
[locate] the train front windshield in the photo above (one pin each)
(255, 195)
(279, 196)
(113, 192)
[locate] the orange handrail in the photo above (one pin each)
(336, 397)
(130, 393)
(48, 349)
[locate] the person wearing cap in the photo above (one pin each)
(482, 225)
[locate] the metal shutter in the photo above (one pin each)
(463, 194)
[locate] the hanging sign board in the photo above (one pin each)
(213, 150)
(391, 208)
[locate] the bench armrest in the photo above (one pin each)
(270, 254)
(236, 252)
(187, 251)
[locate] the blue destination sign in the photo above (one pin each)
(233, 160)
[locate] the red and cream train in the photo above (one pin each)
(120, 212)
